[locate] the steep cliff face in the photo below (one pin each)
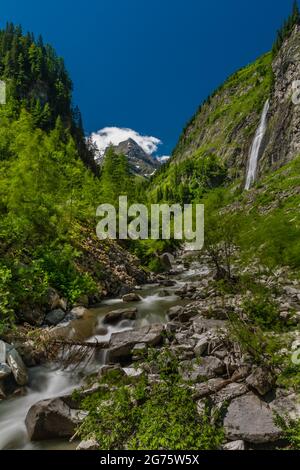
(282, 140)
(226, 123)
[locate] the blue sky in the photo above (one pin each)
(147, 64)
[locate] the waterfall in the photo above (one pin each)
(256, 146)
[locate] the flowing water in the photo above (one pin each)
(48, 382)
(256, 146)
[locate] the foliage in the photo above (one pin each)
(286, 30)
(144, 416)
(291, 430)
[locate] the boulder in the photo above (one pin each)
(250, 419)
(261, 380)
(122, 314)
(121, 344)
(202, 345)
(207, 368)
(54, 317)
(50, 419)
(17, 366)
(166, 261)
(230, 392)
(79, 312)
(91, 444)
(5, 371)
(174, 312)
(235, 445)
(164, 293)
(132, 297)
(201, 324)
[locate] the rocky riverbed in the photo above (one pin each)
(184, 313)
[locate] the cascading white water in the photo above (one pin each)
(256, 146)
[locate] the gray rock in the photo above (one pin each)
(174, 312)
(202, 345)
(207, 368)
(91, 444)
(79, 312)
(230, 392)
(132, 297)
(250, 419)
(166, 261)
(2, 352)
(50, 419)
(17, 366)
(54, 317)
(201, 324)
(235, 445)
(121, 344)
(5, 371)
(122, 314)
(261, 380)
(164, 293)
(287, 406)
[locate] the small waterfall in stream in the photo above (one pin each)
(256, 146)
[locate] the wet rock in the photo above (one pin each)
(207, 368)
(17, 366)
(235, 445)
(91, 444)
(164, 293)
(5, 371)
(167, 283)
(79, 312)
(50, 419)
(54, 317)
(121, 344)
(132, 297)
(250, 419)
(261, 380)
(118, 315)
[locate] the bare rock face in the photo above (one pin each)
(121, 344)
(49, 419)
(250, 419)
(283, 134)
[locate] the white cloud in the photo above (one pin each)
(114, 135)
(163, 159)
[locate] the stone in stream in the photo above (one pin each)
(132, 297)
(122, 344)
(17, 366)
(122, 314)
(50, 419)
(5, 371)
(54, 317)
(250, 419)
